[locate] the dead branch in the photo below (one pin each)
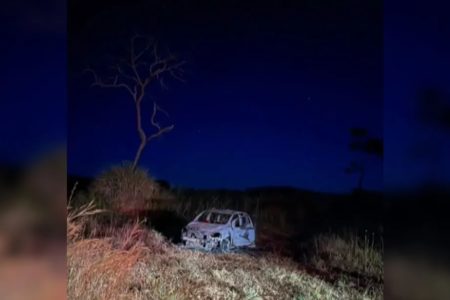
(160, 132)
(155, 124)
(112, 84)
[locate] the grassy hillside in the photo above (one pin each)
(135, 262)
(311, 245)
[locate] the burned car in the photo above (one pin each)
(218, 229)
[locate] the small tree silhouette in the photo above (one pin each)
(362, 143)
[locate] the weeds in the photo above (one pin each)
(347, 259)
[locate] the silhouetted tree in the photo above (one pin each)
(361, 142)
(143, 67)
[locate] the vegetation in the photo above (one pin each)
(134, 262)
(362, 143)
(115, 254)
(124, 189)
(348, 257)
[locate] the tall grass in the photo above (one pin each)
(349, 253)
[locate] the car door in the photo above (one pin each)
(243, 231)
(237, 231)
(249, 230)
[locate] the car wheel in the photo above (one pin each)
(225, 245)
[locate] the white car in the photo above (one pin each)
(218, 229)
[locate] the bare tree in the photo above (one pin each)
(143, 67)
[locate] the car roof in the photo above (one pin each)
(225, 211)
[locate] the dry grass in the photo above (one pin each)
(76, 219)
(133, 262)
(349, 253)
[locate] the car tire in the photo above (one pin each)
(225, 245)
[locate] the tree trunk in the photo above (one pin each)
(138, 155)
(140, 130)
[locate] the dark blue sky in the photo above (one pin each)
(33, 110)
(271, 93)
(242, 118)
(416, 48)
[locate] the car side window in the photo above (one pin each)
(249, 222)
(235, 221)
(244, 221)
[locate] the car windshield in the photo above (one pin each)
(214, 217)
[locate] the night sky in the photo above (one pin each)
(416, 48)
(271, 92)
(33, 105)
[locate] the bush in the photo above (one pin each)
(125, 190)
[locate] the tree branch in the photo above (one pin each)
(160, 132)
(114, 84)
(120, 71)
(132, 63)
(155, 124)
(152, 119)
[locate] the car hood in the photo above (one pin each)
(206, 227)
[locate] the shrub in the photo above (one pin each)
(125, 190)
